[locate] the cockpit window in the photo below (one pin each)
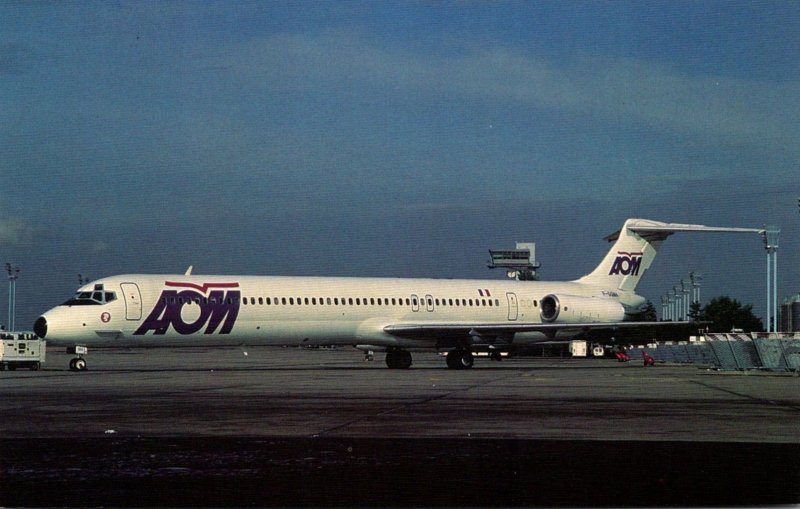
(91, 299)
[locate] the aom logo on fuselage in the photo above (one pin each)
(626, 264)
(192, 308)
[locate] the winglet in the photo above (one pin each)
(188, 271)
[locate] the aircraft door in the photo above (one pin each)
(513, 309)
(414, 303)
(133, 301)
(429, 302)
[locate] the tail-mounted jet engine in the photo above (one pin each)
(575, 309)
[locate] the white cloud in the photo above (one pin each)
(15, 232)
(719, 109)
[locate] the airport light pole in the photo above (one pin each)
(685, 285)
(671, 297)
(770, 236)
(678, 302)
(13, 274)
(695, 277)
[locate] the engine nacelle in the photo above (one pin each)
(576, 309)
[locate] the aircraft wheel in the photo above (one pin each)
(496, 356)
(77, 364)
(405, 359)
(398, 359)
(460, 359)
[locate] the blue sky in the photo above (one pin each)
(393, 138)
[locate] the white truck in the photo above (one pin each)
(21, 350)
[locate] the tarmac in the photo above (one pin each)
(290, 427)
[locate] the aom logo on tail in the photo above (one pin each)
(626, 264)
(192, 308)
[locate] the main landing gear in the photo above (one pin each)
(398, 359)
(460, 359)
(78, 363)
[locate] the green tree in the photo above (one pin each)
(726, 314)
(695, 311)
(646, 313)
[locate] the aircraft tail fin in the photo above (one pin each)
(634, 249)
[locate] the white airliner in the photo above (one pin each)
(382, 314)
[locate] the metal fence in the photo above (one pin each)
(733, 351)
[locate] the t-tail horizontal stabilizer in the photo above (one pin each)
(635, 247)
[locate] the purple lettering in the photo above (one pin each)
(220, 307)
(626, 265)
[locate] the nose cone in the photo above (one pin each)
(40, 327)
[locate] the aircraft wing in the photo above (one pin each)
(445, 330)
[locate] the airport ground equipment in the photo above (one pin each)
(21, 350)
(733, 351)
(578, 348)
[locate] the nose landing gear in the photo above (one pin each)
(78, 363)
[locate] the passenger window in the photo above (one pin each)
(350, 301)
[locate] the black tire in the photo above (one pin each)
(460, 359)
(404, 359)
(398, 359)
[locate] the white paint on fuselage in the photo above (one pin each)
(317, 310)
